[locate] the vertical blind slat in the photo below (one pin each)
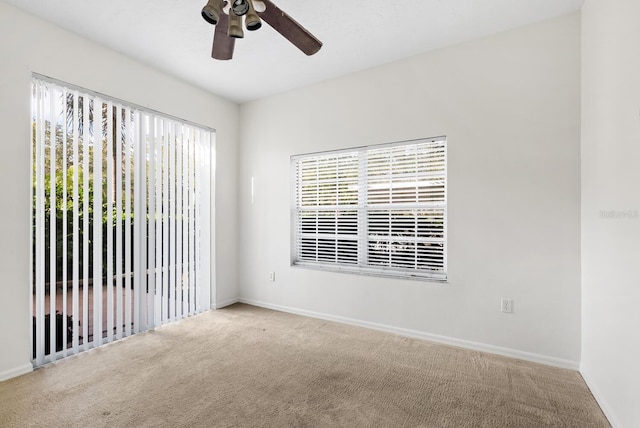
(166, 293)
(65, 239)
(119, 239)
(109, 226)
(192, 231)
(40, 226)
(152, 221)
(52, 222)
(158, 218)
(97, 221)
(179, 220)
(185, 221)
(76, 224)
(138, 223)
(205, 213)
(172, 221)
(127, 224)
(197, 230)
(85, 223)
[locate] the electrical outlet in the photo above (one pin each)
(506, 306)
(272, 276)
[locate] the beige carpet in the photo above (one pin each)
(249, 367)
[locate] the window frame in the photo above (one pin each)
(364, 209)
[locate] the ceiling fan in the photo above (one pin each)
(228, 17)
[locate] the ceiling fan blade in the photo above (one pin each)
(223, 45)
(290, 29)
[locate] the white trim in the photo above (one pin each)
(365, 270)
(461, 343)
(228, 302)
(15, 372)
(599, 396)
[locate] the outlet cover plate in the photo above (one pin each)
(506, 306)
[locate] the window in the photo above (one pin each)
(379, 210)
(121, 219)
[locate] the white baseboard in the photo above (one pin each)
(228, 302)
(476, 346)
(597, 394)
(15, 372)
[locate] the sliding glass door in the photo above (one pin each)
(121, 237)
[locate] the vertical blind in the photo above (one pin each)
(375, 210)
(121, 238)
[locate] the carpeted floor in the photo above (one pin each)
(249, 367)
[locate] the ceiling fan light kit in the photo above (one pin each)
(241, 7)
(211, 11)
(235, 26)
(228, 17)
(252, 20)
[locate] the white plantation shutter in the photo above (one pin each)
(121, 237)
(374, 210)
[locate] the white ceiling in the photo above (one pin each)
(170, 35)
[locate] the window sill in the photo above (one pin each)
(371, 272)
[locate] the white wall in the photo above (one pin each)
(510, 107)
(28, 45)
(611, 183)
